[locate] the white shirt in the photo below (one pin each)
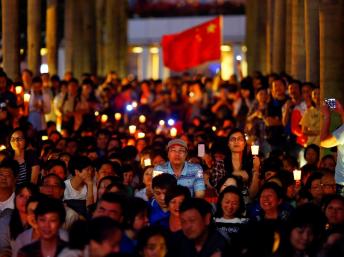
(8, 204)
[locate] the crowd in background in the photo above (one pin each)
(118, 166)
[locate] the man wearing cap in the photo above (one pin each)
(187, 174)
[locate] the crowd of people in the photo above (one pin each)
(190, 166)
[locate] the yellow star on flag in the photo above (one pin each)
(211, 28)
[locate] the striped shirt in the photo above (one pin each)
(22, 175)
(191, 176)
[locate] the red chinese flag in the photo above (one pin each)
(192, 47)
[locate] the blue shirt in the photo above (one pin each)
(191, 176)
(157, 216)
(339, 135)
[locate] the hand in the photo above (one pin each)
(256, 163)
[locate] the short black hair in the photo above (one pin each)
(175, 191)
(114, 198)
(200, 205)
(53, 175)
(146, 233)
(48, 205)
(79, 163)
(164, 181)
(135, 206)
(102, 228)
(11, 165)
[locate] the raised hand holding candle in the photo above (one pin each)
(297, 175)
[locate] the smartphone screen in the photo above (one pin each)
(200, 150)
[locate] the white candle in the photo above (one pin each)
(44, 138)
(141, 135)
(96, 113)
(104, 118)
(118, 116)
(255, 149)
(147, 162)
(27, 97)
(173, 132)
(161, 122)
(142, 119)
(132, 129)
(19, 90)
(2, 147)
(297, 175)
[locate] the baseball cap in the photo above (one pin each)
(177, 141)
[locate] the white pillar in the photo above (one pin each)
(236, 53)
(145, 63)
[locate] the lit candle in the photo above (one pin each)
(141, 135)
(147, 162)
(118, 116)
(44, 138)
(2, 147)
(104, 118)
(297, 175)
(132, 129)
(142, 119)
(255, 149)
(96, 113)
(19, 90)
(161, 122)
(213, 128)
(173, 132)
(27, 97)
(134, 104)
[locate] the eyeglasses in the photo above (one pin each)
(236, 139)
(17, 139)
(180, 151)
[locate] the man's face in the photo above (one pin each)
(294, 91)
(105, 170)
(109, 245)
(102, 141)
(48, 225)
(335, 212)
(177, 155)
(52, 188)
(193, 224)
(278, 89)
(7, 179)
(159, 196)
(112, 210)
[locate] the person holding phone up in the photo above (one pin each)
(336, 138)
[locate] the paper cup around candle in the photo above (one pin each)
(132, 129)
(2, 147)
(142, 119)
(44, 138)
(173, 132)
(104, 118)
(134, 104)
(297, 175)
(255, 149)
(96, 113)
(19, 90)
(118, 116)
(27, 97)
(141, 135)
(147, 162)
(161, 122)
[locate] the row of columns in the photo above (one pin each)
(95, 36)
(304, 38)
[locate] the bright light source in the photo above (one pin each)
(2, 147)
(96, 113)
(141, 135)
(213, 128)
(44, 68)
(104, 118)
(19, 90)
(129, 108)
(142, 119)
(44, 51)
(137, 50)
(132, 129)
(118, 116)
(154, 50)
(161, 122)
(44, 138)
(134, 104)
(27, 97)
(238, 57)
(225, 48)
(170, 122)
(173, 132)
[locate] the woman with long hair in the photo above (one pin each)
(28, 166)
(15, 221)
(238, 162)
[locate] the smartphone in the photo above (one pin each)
(331, 103)
(200, 150)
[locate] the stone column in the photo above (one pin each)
(312, 40)
(34, 35)
(252, 39)
(10, 37)
(269, 34)
(279, 35)
(298, 53)
(331, 18)
(288, 36)
(51, 38)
